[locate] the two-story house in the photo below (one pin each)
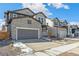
(59, 28)
(25, 24)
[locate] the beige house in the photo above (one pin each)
(57, 28)
(25, 24)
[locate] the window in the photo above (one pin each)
(14, 15)
(42, 20)
(39, 18)
(29, 21)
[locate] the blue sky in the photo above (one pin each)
(65, 11)
(71, 14)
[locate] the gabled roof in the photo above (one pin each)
(66, 21)
(40, 13)
(63, 22)
(24, 15)
(56, 19)
(31, 11)
(14, 11)
(60, 21)
(24, 9)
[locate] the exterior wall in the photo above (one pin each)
(77, 33)
(41, 16)
(22, 22)
(60, 31)
(50, 23)
(51, 31)
(69, 30)
(25, 11)
(54, 31)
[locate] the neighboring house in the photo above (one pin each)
(74, 31)
(64, 26)
(57, 28)
(25, 24)
(60, 28)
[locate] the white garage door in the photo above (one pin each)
(23, 34)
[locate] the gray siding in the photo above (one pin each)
(61, 32)
(25, 11)
(22, 22)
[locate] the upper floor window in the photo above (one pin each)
(42, 20)
(39, 18)
(14, 15)
(29, 21)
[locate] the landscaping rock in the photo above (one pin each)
(24, 49)
(27, 50)
(19, 45)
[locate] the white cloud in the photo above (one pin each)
(74, 23)
(37, 7)
(59, 5)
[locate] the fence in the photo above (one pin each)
(4, 35)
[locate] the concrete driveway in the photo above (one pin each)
(70, 49)
(40, 46)
(72, 52)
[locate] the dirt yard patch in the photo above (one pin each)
(9, 51)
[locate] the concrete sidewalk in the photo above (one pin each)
(71, 38)
(58, 50)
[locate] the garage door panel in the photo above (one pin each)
(27, 34)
